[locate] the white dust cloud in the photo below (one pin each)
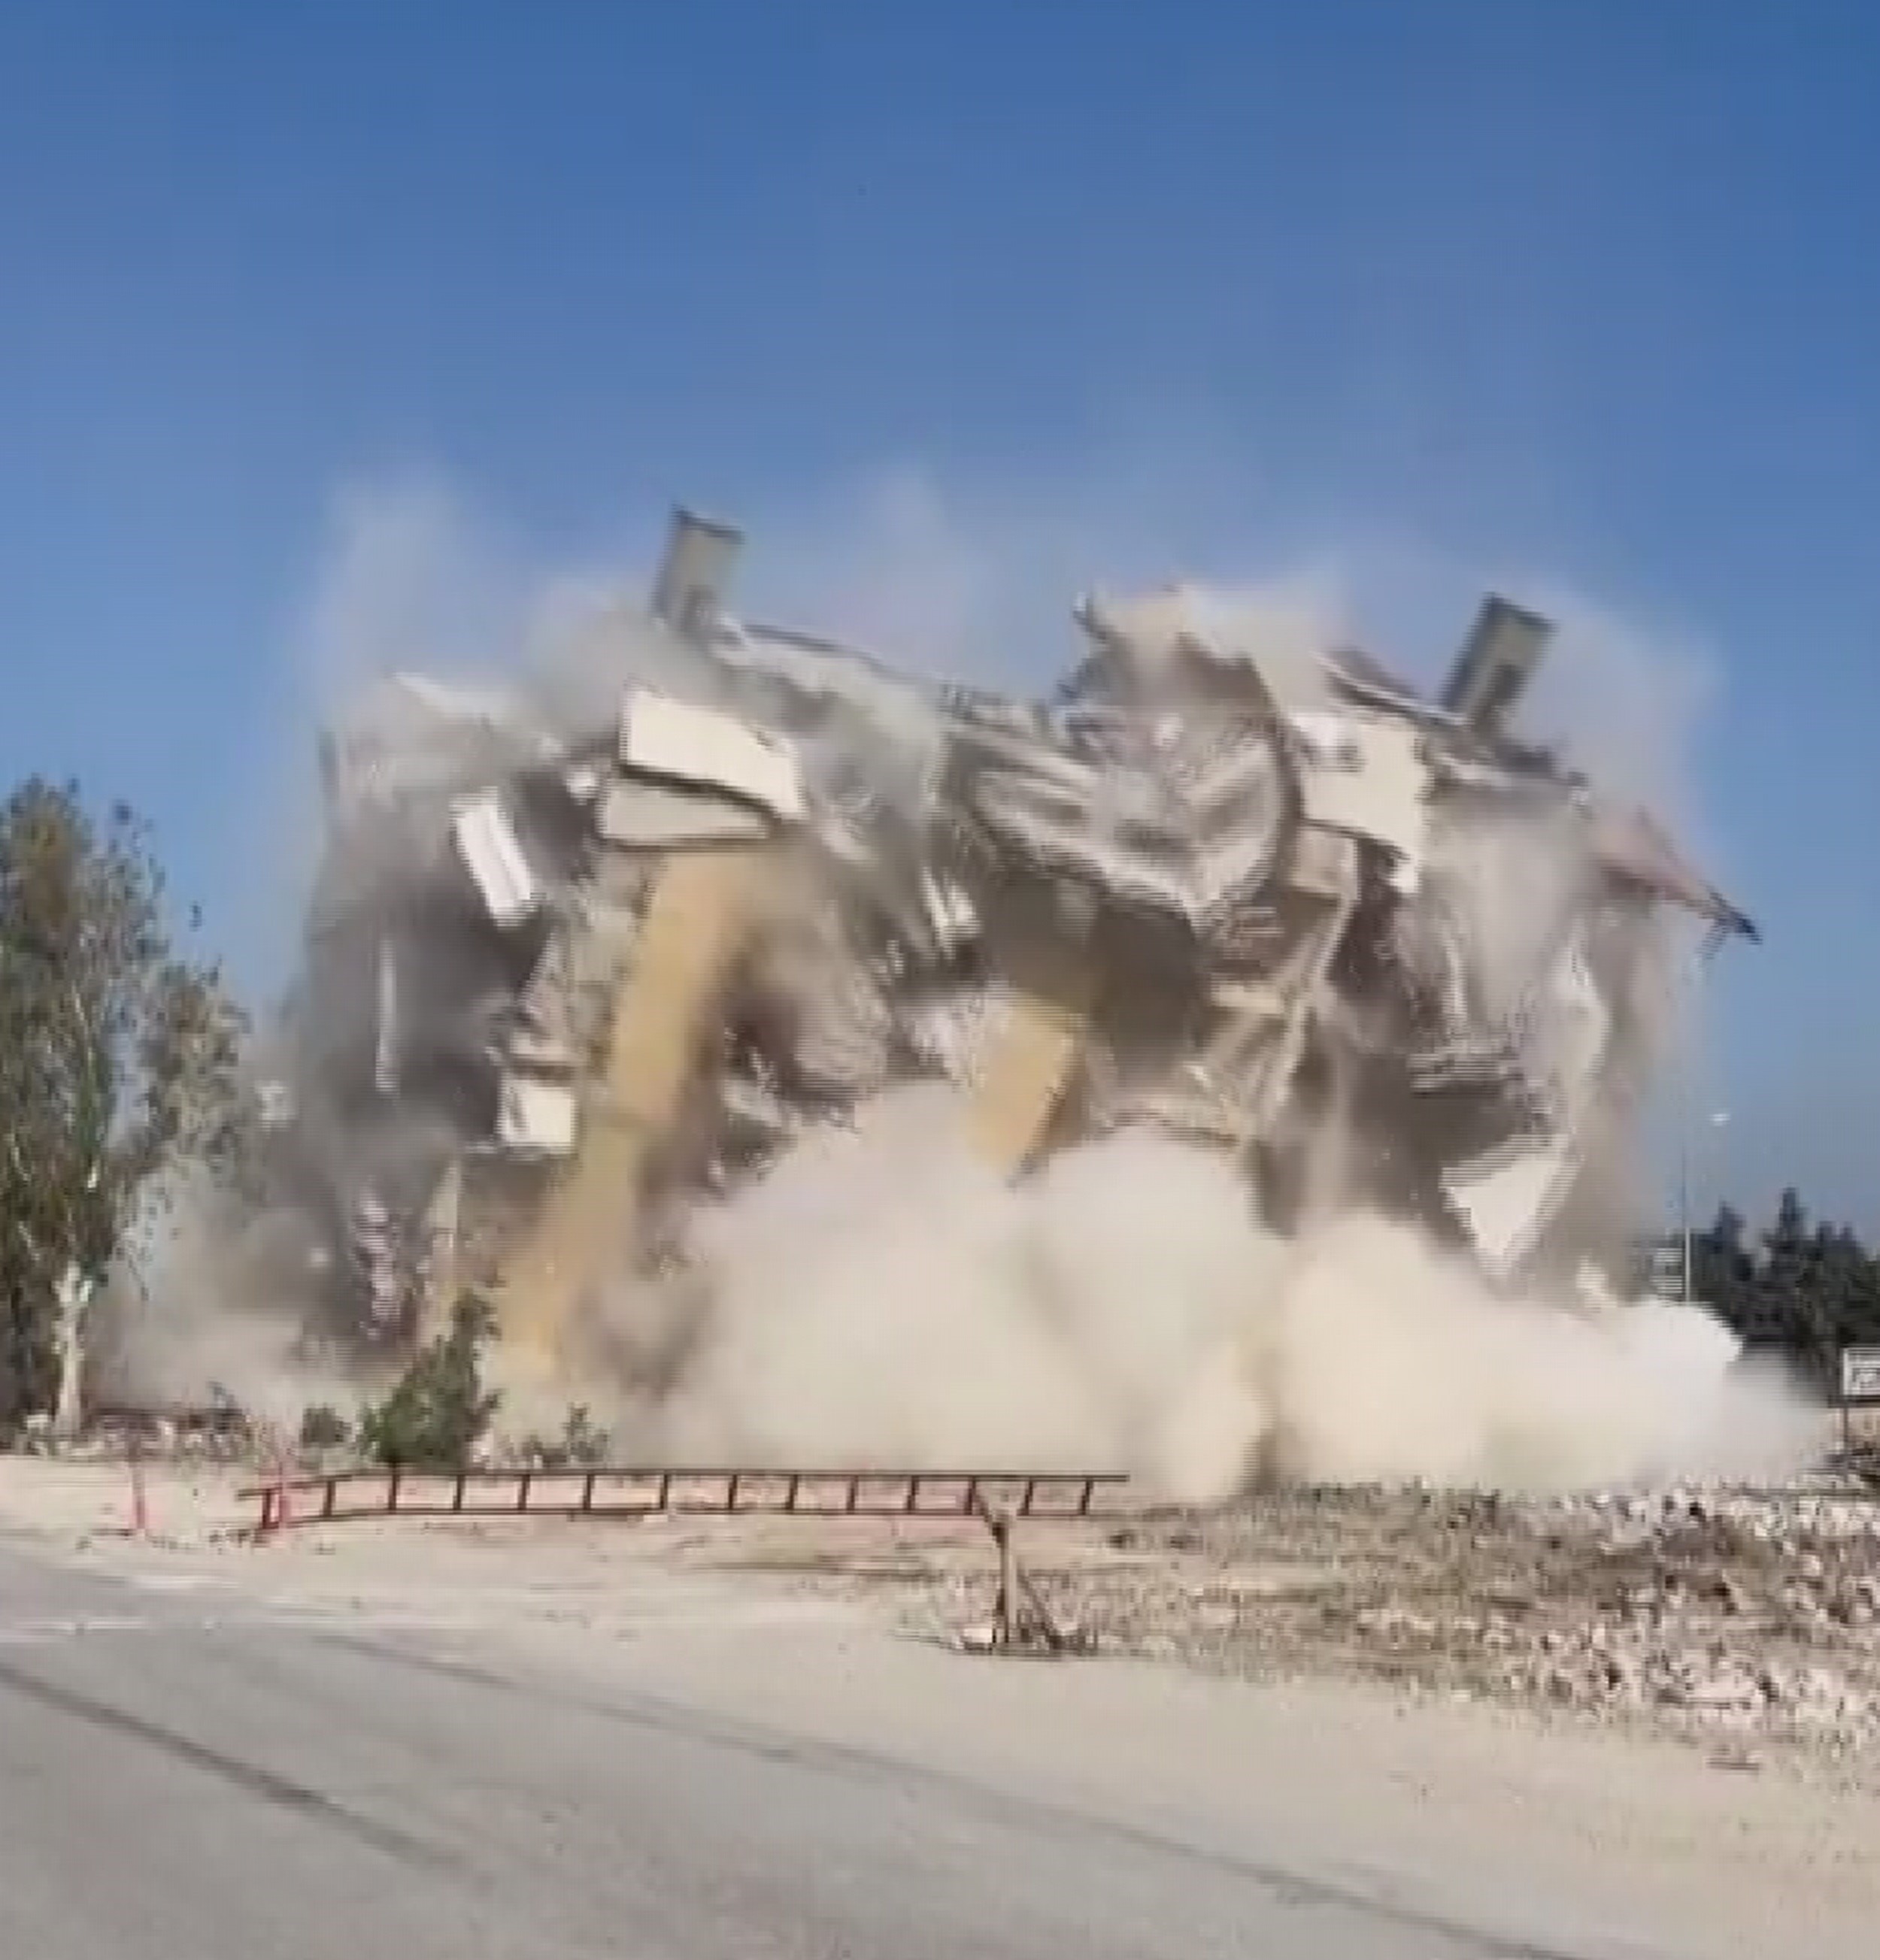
(215, 1306)
(880, 1298)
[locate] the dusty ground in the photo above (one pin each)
(1394, 1640)
(1706, 1610)
(1748, 1622)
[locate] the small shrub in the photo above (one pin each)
(580, 1447)
(323, 1427)
(438, 1410)
(584, 1447)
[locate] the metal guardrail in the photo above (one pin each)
(336, 1497)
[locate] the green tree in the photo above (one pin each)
(1842, 1291)
(439, 1411)
(1789, 1312)
(119, 1056)
(1723, 1273)
(1810, 1289)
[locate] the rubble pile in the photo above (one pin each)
(584, 953)
(1716, 1611)
(1732, 1617)
(1747, 1599)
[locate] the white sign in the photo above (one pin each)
(1860, 1374)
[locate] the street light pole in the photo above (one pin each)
(1718, 1118)
(1695, 973)
(1684, 1196)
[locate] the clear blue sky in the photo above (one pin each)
(1588, 289)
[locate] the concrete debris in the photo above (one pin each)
(656, 816)
(708, 751)
(538, 1116)
(607, 955)
(494, 858)
(1736, 1617)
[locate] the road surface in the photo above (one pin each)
(190, 1771)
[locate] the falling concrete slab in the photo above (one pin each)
(492, 854)
(1508, 1200)
(1366, 775)
(633, 815)
(537, 1118)
(682, 743)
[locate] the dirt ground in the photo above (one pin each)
(1664, 1701)
(1747, 1621)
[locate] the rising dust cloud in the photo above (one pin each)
(880, 1297)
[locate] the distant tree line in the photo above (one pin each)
(1805, 1287)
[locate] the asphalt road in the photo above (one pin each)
(195, 1776)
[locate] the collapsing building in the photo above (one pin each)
(576, 963)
